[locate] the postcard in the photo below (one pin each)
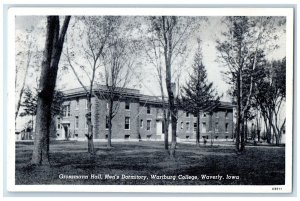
(191, 100)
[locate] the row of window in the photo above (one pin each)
(148, 125)
(187, 114)
(204, 127)
(66, 109)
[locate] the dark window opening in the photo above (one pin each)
(226, 127)
(127, 123)
(148, 110)
(127, 105)
(76, 122)
(148, 125)
(195, 127)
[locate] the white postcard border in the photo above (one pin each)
(10, 178)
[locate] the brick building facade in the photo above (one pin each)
(139, 117)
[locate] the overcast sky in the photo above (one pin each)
(209, 32)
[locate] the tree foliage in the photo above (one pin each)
(198, 93)
(173, 33)
(270, 96)
(240, 50)
(29, 103)
(84, 58)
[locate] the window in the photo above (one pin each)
(181, 125)
(187, 114)
(106, 122)
(77, 103)
(141, 123)
(127, 123)
(187, 126)
(204, 114)
(76, 122)
(226, 115)
(66, 111)
(217, 127)
(148, 110)
(127, 137)
(127, 105)
(58, 123)
(148, 125)
(195, 127)
(226, 127)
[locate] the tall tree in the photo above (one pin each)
(27, 55)
(270, 96)
(118, 59)
(173, 33)
(53, 48)
(154, 52)
(198, 94)
(94, 33)
(238, 51)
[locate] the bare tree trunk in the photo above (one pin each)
(29, 53)
(166, 114)
(246, 130)
(269, 133)
(109, 123)
(276, 133)
(88, 115)
(173, 142)
(172, 110)
(242, 136)
(238, 122)
(198, 130)
(21, 94)
(52, 53)
(166, 128)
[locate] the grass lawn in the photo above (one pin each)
(256, 166)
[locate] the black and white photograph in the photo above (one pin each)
(151, 100)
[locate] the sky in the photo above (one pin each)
(208, 32)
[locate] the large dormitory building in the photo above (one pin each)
(139, 117)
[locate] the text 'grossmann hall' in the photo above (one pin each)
(139, 117)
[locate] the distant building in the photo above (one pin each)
(139, 117)
(25, 134)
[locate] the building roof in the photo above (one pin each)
(75, 92)
(130, 93)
